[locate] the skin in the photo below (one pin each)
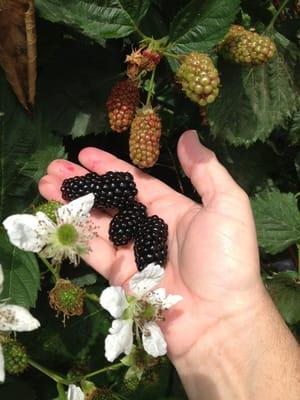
(225, 338)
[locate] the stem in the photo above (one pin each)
(276, 15)
(151, 88)
(51, 374)
(166, 53)
(93, 297)
(137, 334)
(298, 248)
(53, 271)
(61, 392)
(102, 370)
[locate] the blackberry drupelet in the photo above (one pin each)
(126, 222)
(111, 190)
(151, 242)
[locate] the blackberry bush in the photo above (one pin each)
(151, 70)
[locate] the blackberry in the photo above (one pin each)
(124, 224)
(145, 133)
(111, 190)
(151, 242)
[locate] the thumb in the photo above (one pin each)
(200, 164)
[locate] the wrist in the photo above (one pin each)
(238, 355)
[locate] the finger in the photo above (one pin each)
(100, 161)
(200, 164)
(65, 169)
(49, 188)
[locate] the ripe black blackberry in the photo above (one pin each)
(151, 242)
(126, 222)
(111, 190)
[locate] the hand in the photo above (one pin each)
(213, 259)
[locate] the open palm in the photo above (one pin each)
(213, 260)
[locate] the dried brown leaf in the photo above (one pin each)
(18, 48)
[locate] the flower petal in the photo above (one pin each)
(156, 296)
(75, 393)
(153, 340)
(2, 369)
(1, 278)
(113, 299)
(17, 318)
(171, 300)
(120, 339)
(142, 282)
(76, 209)
(28, 232)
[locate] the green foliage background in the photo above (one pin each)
(254, 128)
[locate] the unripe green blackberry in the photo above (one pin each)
(49, 208)
(199, 78)
(247, 48)
(129, 386)
(144, 138)
(16, 359)
(121, 105)
(67, 298)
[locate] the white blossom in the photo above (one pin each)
(153, 340)
(13, 318)
(67, 238)
(113, 299)
(143, 309)
(119, 340)
(75, 393)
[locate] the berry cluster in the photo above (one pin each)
(144, 138)
(246, 47)
(118, 190)
(121, 104)
(199, 78)
(111, 190)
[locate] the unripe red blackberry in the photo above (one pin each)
(126, 222)
(121, 104)
(199, 78)
(247, 48)
(67, 298)
(49, 208)
(111, 190)
(150, 244)
(144, 138)
(16, 359)
(151, 59)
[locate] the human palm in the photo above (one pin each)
(212, 260)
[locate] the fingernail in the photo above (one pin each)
(192, 145)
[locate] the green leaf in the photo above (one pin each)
(277, 220)
(85, 280)
(294, 132)
(21, 274)
(253, 101)
(285, 291)
(199, 27)
(297, 164)
(73, 90)
(37, 164)
(99, 20)
(26, 147)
